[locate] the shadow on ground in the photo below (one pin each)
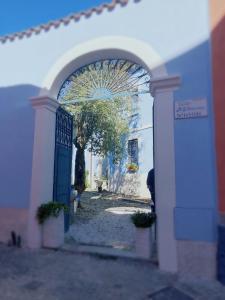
(105, 220)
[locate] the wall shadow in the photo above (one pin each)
(17, 133)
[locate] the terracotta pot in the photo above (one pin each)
(53, 232)
(144, 242)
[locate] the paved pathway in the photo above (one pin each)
(105, 220)
(59, 275)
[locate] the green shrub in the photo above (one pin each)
(50, 209)
(143, 220)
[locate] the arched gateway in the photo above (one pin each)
(162, 87)
(165, 42)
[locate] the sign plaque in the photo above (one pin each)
(191, 109)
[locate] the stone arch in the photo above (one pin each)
(162, 87)
(105, 47)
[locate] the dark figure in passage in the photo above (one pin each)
(151, 186)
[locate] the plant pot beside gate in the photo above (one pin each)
(144, 233)
(51, 216)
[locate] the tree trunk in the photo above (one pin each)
(80, 170)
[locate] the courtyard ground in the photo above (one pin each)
(90, 265)
(105, 220)
(61, 275)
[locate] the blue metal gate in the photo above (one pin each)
(63, 159)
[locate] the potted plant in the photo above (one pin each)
(132, 167)
(143, 234)
(51, 216)
(99, 183)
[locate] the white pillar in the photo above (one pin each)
(100, 161)
(165, 186)
(43, 163)
(91, 170)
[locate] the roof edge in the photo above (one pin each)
(64, 21)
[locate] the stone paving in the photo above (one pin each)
(105, 220)
(60, 275)
(92, 272)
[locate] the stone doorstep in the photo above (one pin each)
(104, 251)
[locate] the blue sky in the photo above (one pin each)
(17, 15)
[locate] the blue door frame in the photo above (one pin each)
(63, 159)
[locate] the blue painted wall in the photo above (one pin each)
(16, 132)
(179, 32)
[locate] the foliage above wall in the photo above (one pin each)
(99, 96)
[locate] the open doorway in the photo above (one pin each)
(162, 89)
(112, 110)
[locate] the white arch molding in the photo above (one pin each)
(162, 87)
(102, 48)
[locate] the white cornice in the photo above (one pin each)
(44, 102)
(133, 130)
(165, 83)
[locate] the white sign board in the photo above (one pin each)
(191, 109)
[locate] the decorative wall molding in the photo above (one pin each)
(122, 47)
(165, 83)
(46, 102)
(133, 130)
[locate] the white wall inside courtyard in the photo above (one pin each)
(120, 180)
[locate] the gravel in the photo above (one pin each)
(105, 220)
